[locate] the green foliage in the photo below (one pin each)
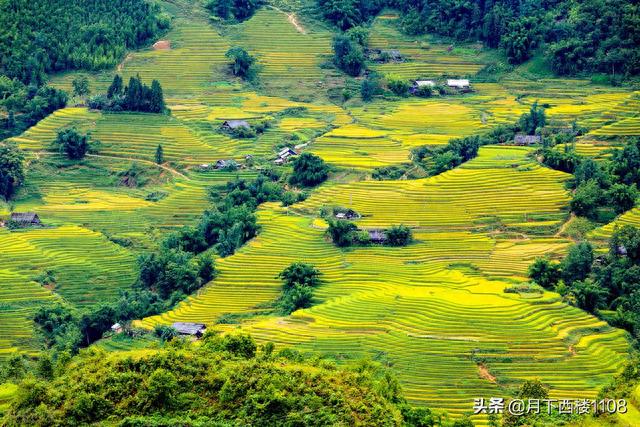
(586, 199)
(346, 14)
(399, 235)
(520, 40)
(622, 197)
(242, 63)
(544, 273)
(577, 263)
(238, 10)
(80, 86)
(159, 156)
(71, 34)
(398, 86)
(369, 88)
(309, 170)
(224, 381)
(348, 55)
(165, 333)
(72, 144)
(136, 96)
(341, 232)
(534, 120)
(626, 162)
(359, 35)
(11, 169)
(298, 281)
(565, 162)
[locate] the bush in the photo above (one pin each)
(308, 170)
(242, 62)
(72, 144)
(544, 273)
(399, 235)
(341, 232)
(348, 55)
(398, 86)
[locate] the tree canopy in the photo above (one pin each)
(11, 169)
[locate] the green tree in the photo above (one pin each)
(398, 86)
(159, 391)
(369, 88)
(445, 161)
(115, 88)
(519, 41)
(156, 98)
(159, 155)
(625, 163)
(622, 197)
(11, 169)
(589, 295)
(625, 241)
(544, 272)
(341, 232)
(359, 35)
(586, 199)
(308, 170)
(80, 86)
(72, 143)
(533, 120)
(242, 62)
(299, 273)
(399, 235)
(577, 263)
(348, 55)
(296, 298)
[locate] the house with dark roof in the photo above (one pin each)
(189, 329)
(235, 124)
(25, 219)
(521, 139)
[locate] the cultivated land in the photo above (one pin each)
(435, 311)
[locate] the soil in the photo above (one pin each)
(162, 45)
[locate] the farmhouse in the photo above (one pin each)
(25, 219)
(116, 328)
(348, 214)
(284, 154)
(521, 139)
(235, 124)
(377, 236)
(458, 83)
(417, 84)
(190, 329)
(221, 164)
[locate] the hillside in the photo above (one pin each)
(441, 312)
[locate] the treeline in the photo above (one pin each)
(581, 36)
(225, 380)
(44, 36)
(136, 96)
(603, 187)
(606, 285)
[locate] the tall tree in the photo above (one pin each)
(159, 155)
(11, 169)
(115, 88)
(156, 100)
(81, 86)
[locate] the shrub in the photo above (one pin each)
(399, 235)
(308, 170)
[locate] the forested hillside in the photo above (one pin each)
(577, 36)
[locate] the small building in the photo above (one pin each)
(521, 139)
(190, 329)
(116, 328)
(348, 214)
(621, 250)
(459, 83)
(205, 167)
(235, 124)
(285, 153)
(25, 219)
(417, 84)
(390, 55)
(221, 164)
(377, 236)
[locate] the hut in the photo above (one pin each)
(284, 154)
(348, 214)
(377, 236)
(235, 124)
(521, 139)
(461, 84)
(116, 328)
(189, 329)
(417, 84)
(25, 219)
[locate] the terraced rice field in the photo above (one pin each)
(434, 307)
(435, 311)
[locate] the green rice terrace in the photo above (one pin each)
(440, 312)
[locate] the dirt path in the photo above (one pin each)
(564, 226)
(126, 58)
(292, 19)
(148, 162)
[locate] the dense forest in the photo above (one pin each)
(39, 37)
(578, 36)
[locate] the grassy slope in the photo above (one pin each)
(432, 310)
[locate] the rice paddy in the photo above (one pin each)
(435, 311)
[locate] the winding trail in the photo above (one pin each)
(292, 19)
